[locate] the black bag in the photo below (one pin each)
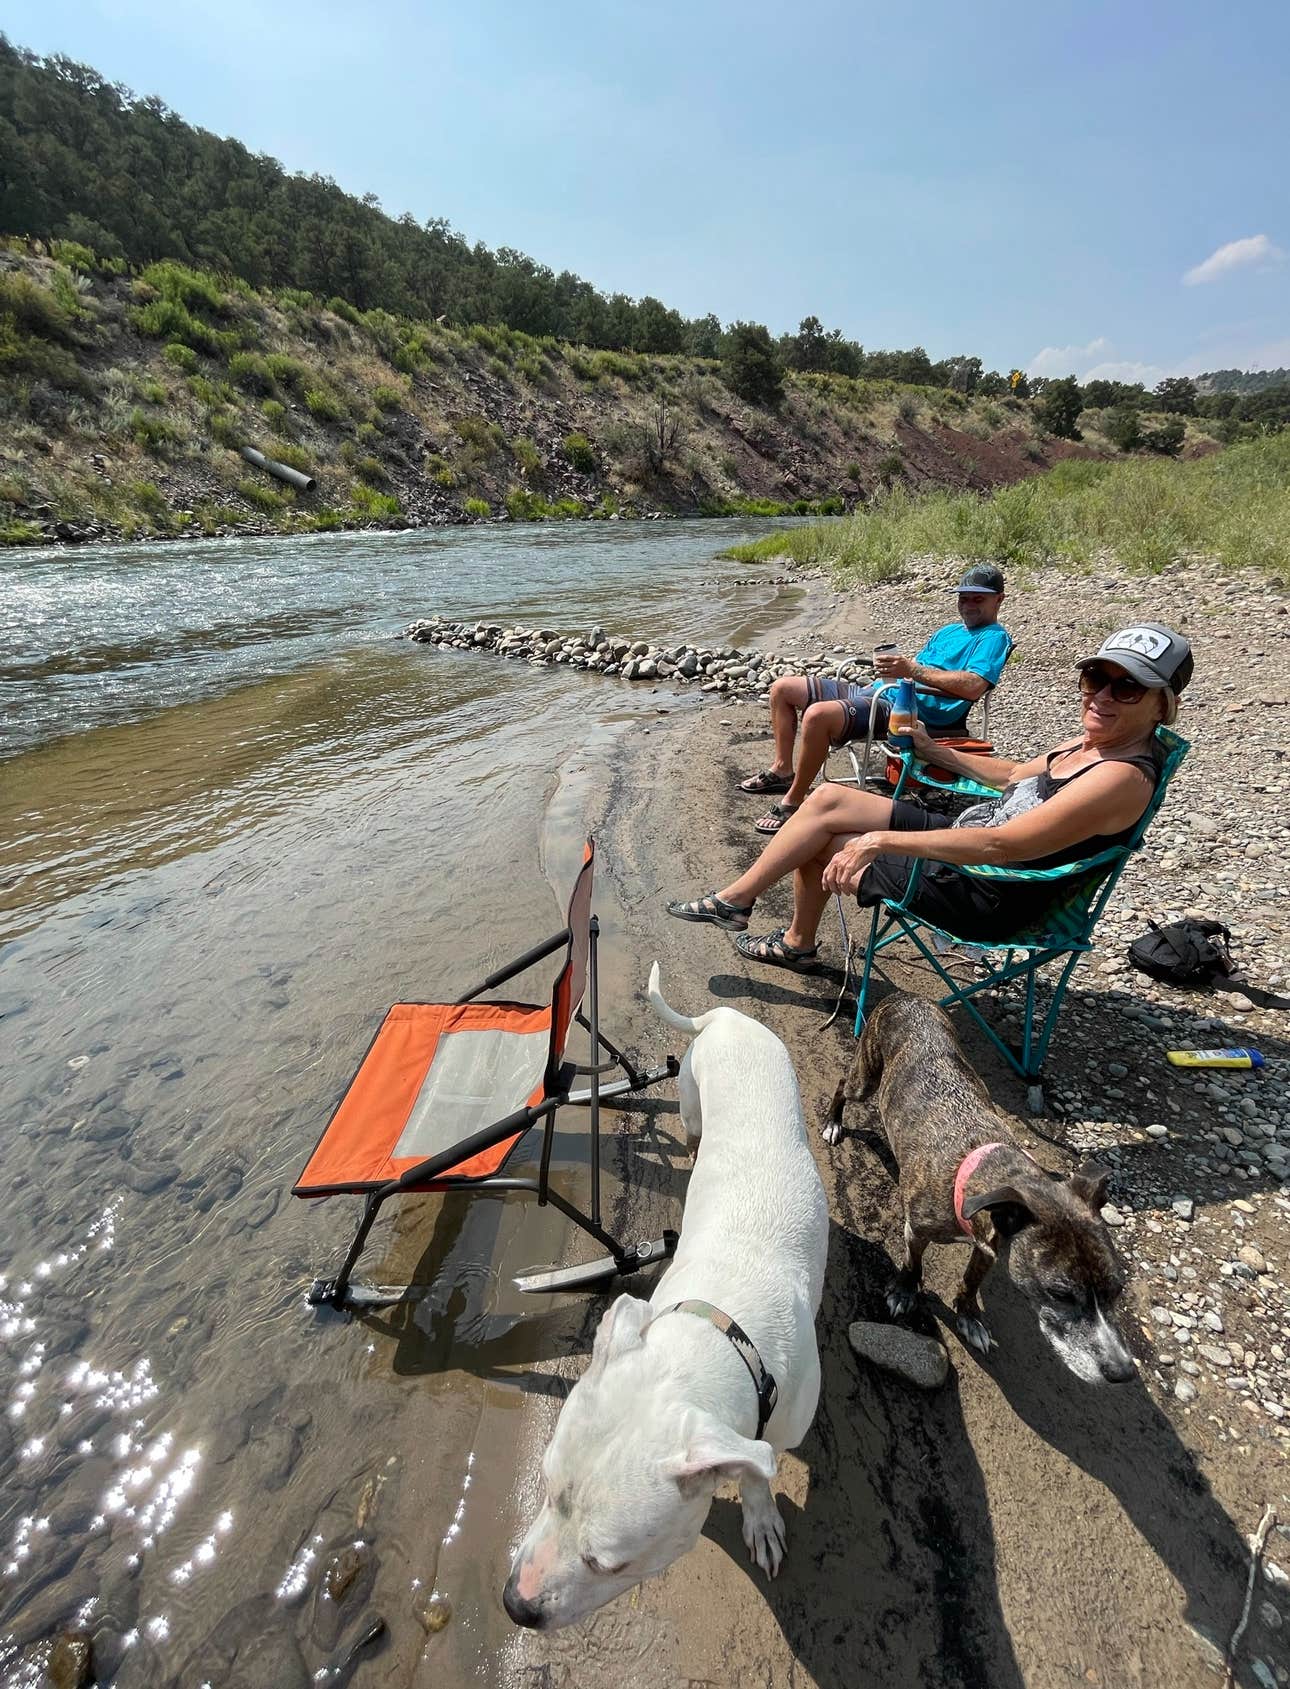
(1184, 953)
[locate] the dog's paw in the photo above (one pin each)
(974, 1332)
(831, 1131)
(901, 1298)
(764, 1535)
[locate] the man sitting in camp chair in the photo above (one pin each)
(957, 666)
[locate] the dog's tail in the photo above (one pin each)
(693, 1024)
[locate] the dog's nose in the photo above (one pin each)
(522, 1611)
(1119, 1369)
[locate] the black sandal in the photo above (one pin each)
(775, 817)
(775, 951)
(712, 909)
(767, 783)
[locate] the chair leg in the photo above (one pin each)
(868, 969)
(333, 1291)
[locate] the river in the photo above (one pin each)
(239, 817)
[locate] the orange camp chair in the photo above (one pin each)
(447, 1090)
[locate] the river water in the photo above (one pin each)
(238, 818)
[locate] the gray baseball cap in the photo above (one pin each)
(1152, 653)
(981, 577)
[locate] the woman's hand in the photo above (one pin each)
(924, 745)
(845, 867)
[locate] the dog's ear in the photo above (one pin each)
(714, 1454)
(622, 1328)
(1089, 1181)
(1007, 1208)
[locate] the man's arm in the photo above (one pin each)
(950, 683)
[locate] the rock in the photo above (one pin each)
(1184, 1207)
(923, 1361)
(433, 1613)
(1112, 1215)
(1249, 1256)
(1184, 1390)
(1215, 1354)
(71, 1661)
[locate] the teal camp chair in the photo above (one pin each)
(1067, 931)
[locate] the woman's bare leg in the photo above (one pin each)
(807, 835)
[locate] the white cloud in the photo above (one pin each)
(1067, 360)
(1236, 255)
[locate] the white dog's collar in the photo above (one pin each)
(763, 1382)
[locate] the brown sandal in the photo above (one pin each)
(775, 817)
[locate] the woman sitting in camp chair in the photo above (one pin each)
(1085, 796)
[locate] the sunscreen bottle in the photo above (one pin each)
(1215, 1058)
(901, 719)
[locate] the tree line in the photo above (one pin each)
(84, 160)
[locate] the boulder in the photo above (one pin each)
(923, 1361)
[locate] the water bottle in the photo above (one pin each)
(901, 721)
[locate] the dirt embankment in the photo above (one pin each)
(126, 401)
(1016, 1527)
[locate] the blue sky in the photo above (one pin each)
(1096, 187)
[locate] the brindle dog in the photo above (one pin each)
(935, 1113)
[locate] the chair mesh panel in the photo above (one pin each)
(474, 1079)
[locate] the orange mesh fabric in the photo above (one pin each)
(356, 1151)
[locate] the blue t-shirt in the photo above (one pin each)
(983, 651)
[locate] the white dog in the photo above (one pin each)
(673, 1403)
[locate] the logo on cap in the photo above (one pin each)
(1147, 642)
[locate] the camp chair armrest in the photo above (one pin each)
(538, 953)
(1063, 870)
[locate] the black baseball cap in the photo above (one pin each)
(1152, 653)
(981, 577)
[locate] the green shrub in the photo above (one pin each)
(262, 497)
(524, 506)
(20, 533)
(168, 319)
(1168, 438)
(295, 457)
(74, 255)
(342, 308)
(147, 497)
(367, 434)
(153, 433)
(324, 405)
(371, 503)
(566, 509)
(35, 311)
(274, 413)
(226, 427)
(181, 356)
(372, 471)
(581, 453)
(533, 370)
(525, 454)
(1123, 428)
(891, 465)
(251, 373)
(288, 372)
(190, 288)
(151, 392)
(907, 408)
(387, 398)
(485, 437)
(323, 521)
(477, 507)
(751, 366)
(854, 472)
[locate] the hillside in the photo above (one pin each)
(126, 398)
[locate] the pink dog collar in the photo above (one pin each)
(969, 1164)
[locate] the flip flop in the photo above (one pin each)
(776, 952)
(729, 916)
(767, 783)
(775, 817)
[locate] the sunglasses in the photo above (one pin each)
(1093, 678)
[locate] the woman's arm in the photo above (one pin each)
(1107, 799)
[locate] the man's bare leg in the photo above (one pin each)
(788, 699)
(822, 725)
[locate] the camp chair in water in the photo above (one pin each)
(1066, 931)
(447, 1090)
